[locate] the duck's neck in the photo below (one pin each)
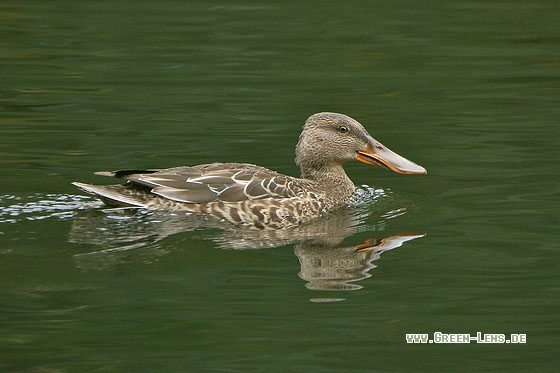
(331, 177)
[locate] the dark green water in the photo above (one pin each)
(468, 89)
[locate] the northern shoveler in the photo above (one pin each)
(249, 195)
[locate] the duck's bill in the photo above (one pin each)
(377, 154)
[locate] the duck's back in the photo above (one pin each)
(240, 193)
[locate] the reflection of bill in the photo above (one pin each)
(336, 268)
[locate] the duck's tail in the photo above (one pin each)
(117, 195)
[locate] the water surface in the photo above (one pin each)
(469, 90)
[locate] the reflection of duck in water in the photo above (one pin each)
(335, 268)
(327, 262)
(249, 195)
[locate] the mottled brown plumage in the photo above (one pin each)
(249, 195)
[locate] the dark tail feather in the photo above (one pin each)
(125, 173)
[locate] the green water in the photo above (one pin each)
(468, 89)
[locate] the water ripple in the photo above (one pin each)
(42, 206)
(365, 195)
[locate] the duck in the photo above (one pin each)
(247, 195)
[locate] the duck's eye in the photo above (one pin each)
(342, 129)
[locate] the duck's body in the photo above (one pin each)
(249, 195)
(240, 193)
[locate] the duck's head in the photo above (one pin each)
(329, 139)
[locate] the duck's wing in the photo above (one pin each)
(228, 182)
